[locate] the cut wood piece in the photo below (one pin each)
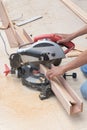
(64, 93)
(11, 38)
(76, 9)
(8, 26)
(16, 36)
(21, 38)
(74, 53)
(6, 22)
(4, 15)
(27, 36)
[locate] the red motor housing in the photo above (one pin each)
(55, 38)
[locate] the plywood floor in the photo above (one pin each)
(20, 107)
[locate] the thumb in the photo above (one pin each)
(52, 65)
(61, 41)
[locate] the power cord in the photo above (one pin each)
(4, 44)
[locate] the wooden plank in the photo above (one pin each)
(27, 36)
(11, 38)
(57, 91)
(7, 26)
(15, 35)
(56, 88)
(63, 90)
(64, 93)
(4, 15)
(76, 9)
(78, 107)
(21, 38)
(61, 97)
(74, 53)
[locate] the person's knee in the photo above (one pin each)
(83, 90)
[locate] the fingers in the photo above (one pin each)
(55, 71)
(52, 65)
(49, 74)
(65, 38)
(61, 41)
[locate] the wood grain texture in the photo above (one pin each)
(76, 9)
(65, 94)
(16, 36)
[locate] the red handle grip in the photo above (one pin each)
(53, 37)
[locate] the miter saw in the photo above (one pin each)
(44, 50)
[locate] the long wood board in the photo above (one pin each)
(76, 9)
(65, 94)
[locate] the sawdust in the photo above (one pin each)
(24, 101)
(22, 108)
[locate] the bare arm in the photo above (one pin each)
(80, 32)
(69, 37)
(60, 70)
(79, 61)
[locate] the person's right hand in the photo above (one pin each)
(65, 38)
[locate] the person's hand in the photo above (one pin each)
(65, 38)
(55, 71)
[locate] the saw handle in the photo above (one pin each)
(53, 37)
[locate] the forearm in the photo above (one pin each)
(80, 32)
(79, 61)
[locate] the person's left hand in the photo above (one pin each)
(55, 71)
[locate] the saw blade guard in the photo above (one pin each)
(55, 38)
(43, 50)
